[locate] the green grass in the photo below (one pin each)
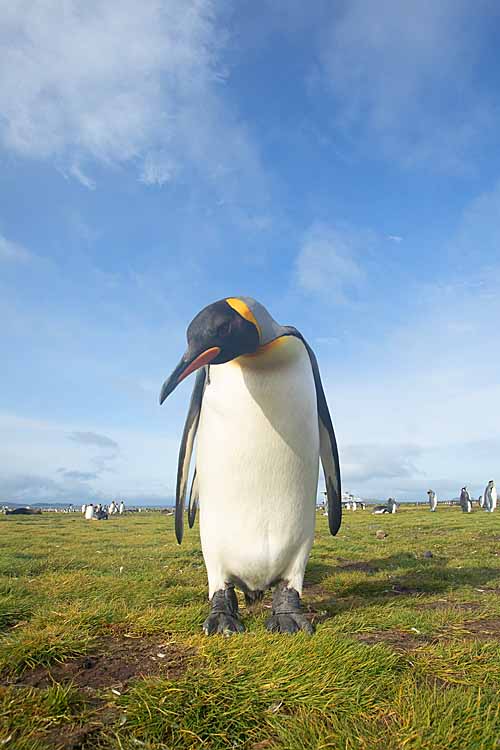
(406, 653)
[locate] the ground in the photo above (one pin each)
(101, 643)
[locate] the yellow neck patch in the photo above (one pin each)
(243, 310)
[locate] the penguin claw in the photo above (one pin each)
(289, 623)
(287, 616)
(224, 618)
(220, 623)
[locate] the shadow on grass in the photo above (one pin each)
(410, 577)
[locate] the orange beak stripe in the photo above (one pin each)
(202, 359)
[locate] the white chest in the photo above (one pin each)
(257, 460)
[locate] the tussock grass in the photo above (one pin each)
(399, 661)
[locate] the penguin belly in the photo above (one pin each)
(257, 464)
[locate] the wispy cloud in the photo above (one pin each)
(364, 462)
(404, 78)
(104, 456)
(328, 263)
(85, 180)
(12, 252)
(93, 438)
(32, 488)
(119, 83)
(79, 476)
(39, 462)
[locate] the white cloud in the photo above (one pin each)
(423, 401)
(379, 461)
(12, 252)
(33, 488)
(86, 181)
(93, 438)
(395, 238)
(404, 74)
(418, 405)
(33, 451)
(328, 263)
(116, 83)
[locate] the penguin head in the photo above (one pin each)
(219, 333)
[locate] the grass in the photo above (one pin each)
(406, 654)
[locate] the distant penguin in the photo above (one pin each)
(465, 500)
(84, 508)
(392, 505)
(433, 501)
(122, 508)
(490, 497)
(260, 416)
(389, 507)
(480, 501)
(89, 512)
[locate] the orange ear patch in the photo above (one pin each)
(243, 310)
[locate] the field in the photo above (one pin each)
(101, 645)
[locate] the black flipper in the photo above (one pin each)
(186, 450)
(327, 443)
(193, 500)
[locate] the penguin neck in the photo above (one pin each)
(269, 328)
(280, 352)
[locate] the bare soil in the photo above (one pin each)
(363, 567)
(442, 604)
(399, 640)
(484, 630)
(121, 660)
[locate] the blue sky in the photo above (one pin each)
(338, 161)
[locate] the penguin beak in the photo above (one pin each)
(186, 366)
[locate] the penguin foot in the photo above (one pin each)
(287, 614)
(224, 617)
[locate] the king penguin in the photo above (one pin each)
(490, 497)
(465, 500)
(261, 421)
(433, 501)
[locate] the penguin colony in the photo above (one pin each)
(261, 422)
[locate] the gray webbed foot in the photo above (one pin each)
(224, 617)
(287, 614)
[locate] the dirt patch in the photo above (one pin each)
(314, 591)
(317, 602)
(484, 630)
(399, 589)
(435, 683)
(316, 615)
(363, 567)
(124, 659)
(444, 604)
(399, 640)
(66, 737)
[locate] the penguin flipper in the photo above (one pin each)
(193, 500)
(327, 443)
(186, 450)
